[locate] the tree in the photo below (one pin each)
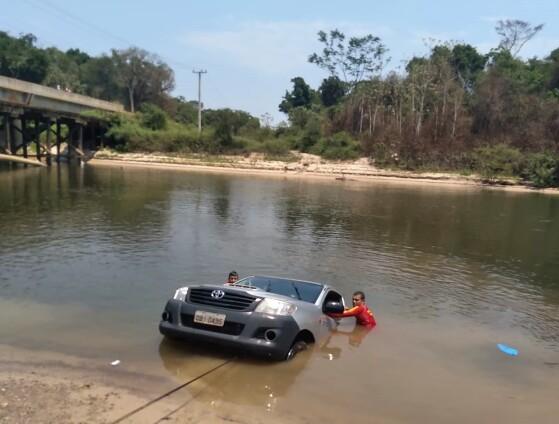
(331, 91)
(266, 120)
(78, 56)
(143, 75)
(63, 72)
(228, 122)
(300, 96)
(515, 34)
(351, 60)
(467, 64)
(100, 79)
(186, 112)
(19, 58)
(153, 117)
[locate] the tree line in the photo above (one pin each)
(139, 80)
(453, 108)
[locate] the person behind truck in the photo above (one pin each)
(232, 278)
(363, 315)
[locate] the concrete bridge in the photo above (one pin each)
(45, 123)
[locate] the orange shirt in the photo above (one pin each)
(362, 314)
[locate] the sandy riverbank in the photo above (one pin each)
(51, 387)
(305, 166)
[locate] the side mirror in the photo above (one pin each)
(333, 308)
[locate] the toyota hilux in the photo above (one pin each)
(271, 316)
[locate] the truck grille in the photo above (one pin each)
(231, 300)
(231, 328)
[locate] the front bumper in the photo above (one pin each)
(243, 329)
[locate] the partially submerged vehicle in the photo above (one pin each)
(271, 316)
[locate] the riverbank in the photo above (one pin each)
(47, 387)
(306, 165)
(51, 387)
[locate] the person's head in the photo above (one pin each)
(233, 277)
(358, 298)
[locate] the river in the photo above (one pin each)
(89, 256)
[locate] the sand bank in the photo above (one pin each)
(306, 166)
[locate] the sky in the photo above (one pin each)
(252, 49)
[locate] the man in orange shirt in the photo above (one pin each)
(360, 311)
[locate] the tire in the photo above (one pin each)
(296, 347)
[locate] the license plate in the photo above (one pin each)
(209, 318)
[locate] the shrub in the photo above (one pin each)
(542, 170)
(153, 117)
(499, 160)
(381, 154)
(339, 146)
(275, 147)
(133, 136)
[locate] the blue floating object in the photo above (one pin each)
(507, 349)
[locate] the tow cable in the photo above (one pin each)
(170, 392)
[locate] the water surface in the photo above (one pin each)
(88, 257)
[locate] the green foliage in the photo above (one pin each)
(381, 154)
(340, 146)
(299, 117)
(99, 79)
(63, 72)
(131, 135)
(19, 58)
(542, 170)
(351, 60)
(331, 91)
(500, 160)
(78, 56)
(143, 76)
(467, 63)
(153, 117)
(310, 134)
(186, 111)
(301, 96)
(276, 147)
(227, 123)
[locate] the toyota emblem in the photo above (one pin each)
(218, 294)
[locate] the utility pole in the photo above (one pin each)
(200, 72)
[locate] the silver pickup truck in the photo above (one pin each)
(275, 317)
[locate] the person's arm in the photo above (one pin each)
(351, 312)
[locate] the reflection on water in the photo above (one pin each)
(99, 250)
(250, 381)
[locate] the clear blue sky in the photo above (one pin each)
(252, 49)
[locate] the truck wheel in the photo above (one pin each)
(296, 347)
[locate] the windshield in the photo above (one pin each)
(307, 292)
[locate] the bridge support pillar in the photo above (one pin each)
(48, 146)
(24, 137)
(58, 141)
(5, 135)
(16, 134)
(37, 137)
(80, 143)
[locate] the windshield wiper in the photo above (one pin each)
(296, 291)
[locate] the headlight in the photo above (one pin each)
(180, 294)
(275, 307)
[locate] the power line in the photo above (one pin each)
(79, 22)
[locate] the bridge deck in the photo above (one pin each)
(22, 94)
